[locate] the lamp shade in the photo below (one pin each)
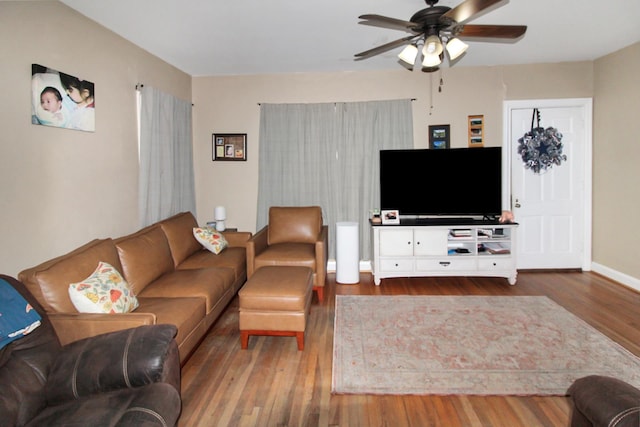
(432, 46)
(456, 47)
(409, 54)
(431, 60)
(219, 213)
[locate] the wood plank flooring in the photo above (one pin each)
(273, 384)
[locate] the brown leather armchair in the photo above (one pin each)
(601, 401)
(124, 378)
(295, 236)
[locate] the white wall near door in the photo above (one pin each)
(553, 208)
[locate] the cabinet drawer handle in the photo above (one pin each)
(445, 263)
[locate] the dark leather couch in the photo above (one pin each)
(125, 378)
(601, 401)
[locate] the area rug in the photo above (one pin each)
(504, 345)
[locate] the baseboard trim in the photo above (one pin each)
(363, 266)
(624, 279)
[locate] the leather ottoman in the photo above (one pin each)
(275, 301)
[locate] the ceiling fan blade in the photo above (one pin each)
(467, 9)
(384, 47)
(386, 22)
(494, 31)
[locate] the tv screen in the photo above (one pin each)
(442, 182)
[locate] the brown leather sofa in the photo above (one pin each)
(175, 280)
(295, 236)
(124, 378)
(601, 401)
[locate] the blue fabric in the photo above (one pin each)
(17, 317)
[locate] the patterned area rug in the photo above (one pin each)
(511, 345)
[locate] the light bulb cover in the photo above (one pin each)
(409, 54)
(219, 213)
(456, 47)
(431, 60)
(432, 46)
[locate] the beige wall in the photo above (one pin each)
(616, 165)
(230, 104)
(61, 188)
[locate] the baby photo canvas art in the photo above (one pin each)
(61, 100)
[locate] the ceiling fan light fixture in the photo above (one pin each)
(409, 54)
(431, 60)
(456, 47)
(432, 45)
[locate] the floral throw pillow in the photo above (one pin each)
(210, 238)
(105, 291)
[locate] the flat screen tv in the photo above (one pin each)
(457, 182)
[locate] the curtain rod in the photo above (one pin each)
(140, 86)
(412, 99)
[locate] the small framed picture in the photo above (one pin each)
(390, 216)
(229, 146)
(439, 136)
(476, 131)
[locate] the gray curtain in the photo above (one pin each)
(328, 155)
(166, 182)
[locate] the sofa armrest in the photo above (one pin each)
(255, 245)
(237, 238)
(601, 401)
(124, 359)
(72, 327)
(322, 254)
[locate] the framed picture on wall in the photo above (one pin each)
(229, 146)
(439, 136)
(61, 100)
(476, 131)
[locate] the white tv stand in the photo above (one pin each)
(417, 248)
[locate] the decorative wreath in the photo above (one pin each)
(541, 148)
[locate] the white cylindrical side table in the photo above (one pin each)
(347, 253)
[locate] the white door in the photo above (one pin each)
(553, 207)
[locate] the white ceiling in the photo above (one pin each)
(226, 37)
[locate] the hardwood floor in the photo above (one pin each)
(273, 384)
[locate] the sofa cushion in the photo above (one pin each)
(105, 291)
(291, 254)
(233, 258)
(294, 224)
(49, 281)
(178, 230)
(210, 284)
(144, 256)
(210, 238)
(186, 313)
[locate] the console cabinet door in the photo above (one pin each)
(396, 242)
(430, 242)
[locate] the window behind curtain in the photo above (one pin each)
(328, 155)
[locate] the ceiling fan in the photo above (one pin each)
(437, 29)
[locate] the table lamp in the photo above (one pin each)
(220, 214)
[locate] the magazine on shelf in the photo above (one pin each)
(460, 232)
(497, 248)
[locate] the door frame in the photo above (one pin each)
(587, 105)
